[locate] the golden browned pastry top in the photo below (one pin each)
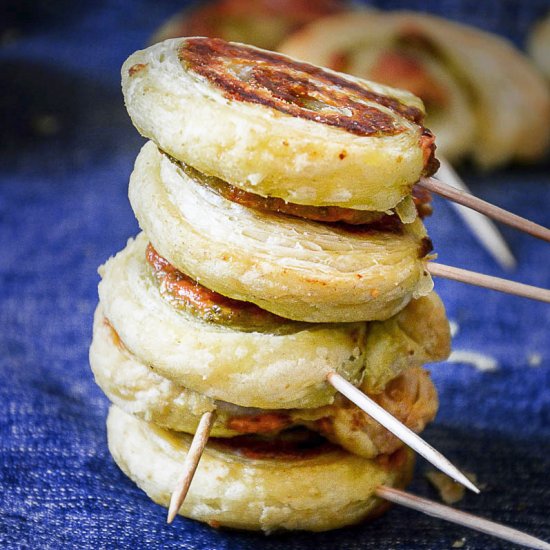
(295, 88)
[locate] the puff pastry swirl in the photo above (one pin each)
(232, 490)
(404, 388)
(280, 369)
(275, 127)
(298, 269)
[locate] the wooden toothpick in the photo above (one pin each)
(191, 462)
(490, 210)
(413, 440)
(452, 515)
(483, 228)
(488, 281)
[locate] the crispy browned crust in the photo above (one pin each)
(291, 87)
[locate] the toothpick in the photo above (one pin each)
(484, 229)
(452, 515)
(495, 212)
(190, 465)
(488, 281)
(413, 440)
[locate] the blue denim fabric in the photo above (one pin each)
(64, 210)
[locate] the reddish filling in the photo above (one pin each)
(275, 204)
(260, 423)
(114, 335)
(185, 293)
(426, 246)
(295, 444)
(423, 201)
(403, 70)
(339, 61)
(137, 68)
(354, 221)
(393, 461)
(427, 143)
(325, 214)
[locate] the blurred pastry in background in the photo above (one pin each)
(262, 23)
(484, 99)
(538, 45)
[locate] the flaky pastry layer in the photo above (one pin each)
(298, 269)
(280, 369)
(137, 389)
(318, 493)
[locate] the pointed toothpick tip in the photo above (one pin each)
(446, 513)
(469, 485)
(172, 511)
(397, 428)
(200, 439)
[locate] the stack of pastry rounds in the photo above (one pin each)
(237, 299)
(485, 99)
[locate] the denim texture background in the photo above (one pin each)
(64, 210)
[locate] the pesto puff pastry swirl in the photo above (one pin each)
(262, 23)
(295, 268)
(394, 352)
(393, 377)
(136, 389)
(139, 390)
(268, 493)
(283, 368)
(276, 127)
